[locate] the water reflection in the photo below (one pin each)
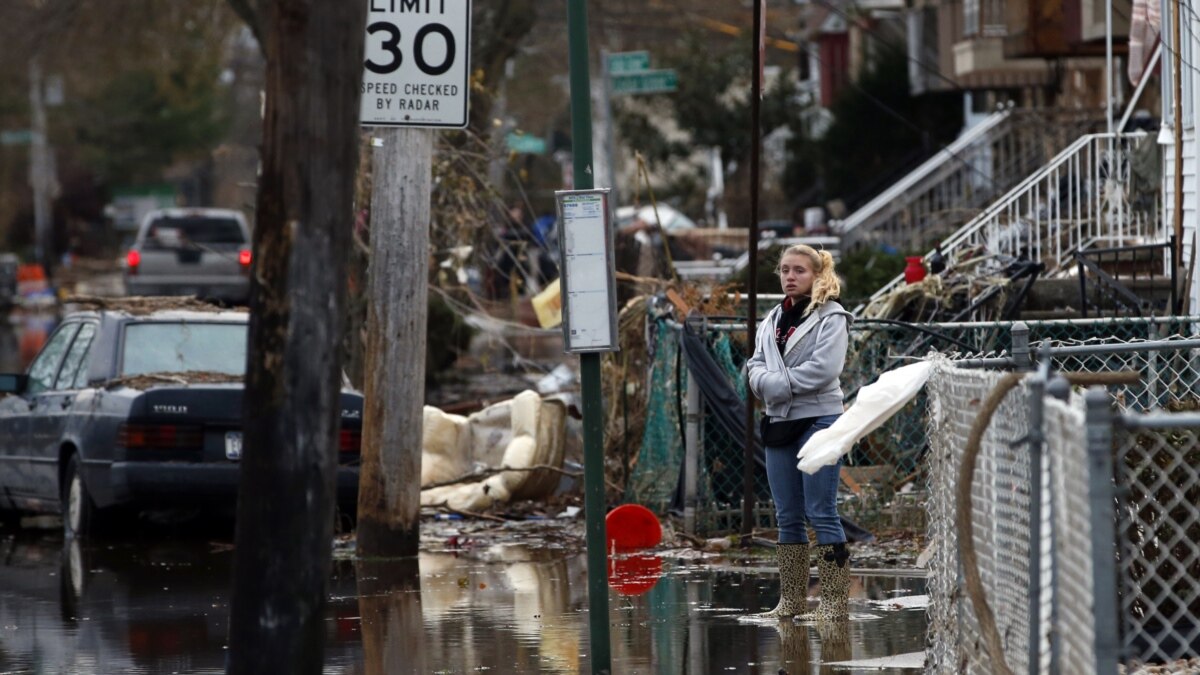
(158, 607)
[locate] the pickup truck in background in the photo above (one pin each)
(200, 252)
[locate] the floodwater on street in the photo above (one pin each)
(161, 607)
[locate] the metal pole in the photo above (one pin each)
(40, 173)
(1058, 388)
(752, 323)
(589, 363)
(1101, 499)
(691, 454)
(1037, 439)
(610, 140)
(1108, 64)
(1022, 359)
(1177, 100)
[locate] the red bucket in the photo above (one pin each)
(632, 526)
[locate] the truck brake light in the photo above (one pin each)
(132, 260)
(244, 257)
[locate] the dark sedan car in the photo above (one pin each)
(122, 408)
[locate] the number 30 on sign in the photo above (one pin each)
(417, 65)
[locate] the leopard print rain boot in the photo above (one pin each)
(833, 569)
(793, 582)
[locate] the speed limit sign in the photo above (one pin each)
(418, 56)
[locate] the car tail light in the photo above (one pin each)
(132, 260)
(350, 440)
(244, 257)
(172, 436)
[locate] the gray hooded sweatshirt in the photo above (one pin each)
(803, 381)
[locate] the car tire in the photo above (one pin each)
(79, 513)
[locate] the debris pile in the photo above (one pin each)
(971, 284)
(508, 451)
(143, 305)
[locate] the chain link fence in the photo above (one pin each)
(1158, 529)
(1000, 499)
(1085, 523)
(896, 450)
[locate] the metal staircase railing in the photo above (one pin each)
(1087, 195)
(949, 188)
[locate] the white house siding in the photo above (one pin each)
(1191, 150)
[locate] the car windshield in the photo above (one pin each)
(205, 230)
(182, 347)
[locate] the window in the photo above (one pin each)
(45, 366)
(181, 347)
(970, 18)
(206, 231)
(71, 375)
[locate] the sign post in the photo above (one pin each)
(589, 362)
(416, 65)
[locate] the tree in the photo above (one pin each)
(879, 129)
(130, 107)
(314, 51)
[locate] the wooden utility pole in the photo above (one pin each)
(314, 54)
(389, 492)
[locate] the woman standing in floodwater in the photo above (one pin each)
(799, 354)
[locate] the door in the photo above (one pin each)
(16, 423)
(54, 407)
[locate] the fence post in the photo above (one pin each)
(1058, 387)
(1036, 440)
(1101, 500)
(691, 460)
(1022, 359)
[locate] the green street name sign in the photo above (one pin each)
(646, 82)
(16, 137)
(525, 144)
(628, 62)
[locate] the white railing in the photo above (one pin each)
(947, 190)
(1074, 202)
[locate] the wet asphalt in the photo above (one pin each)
(159, 604)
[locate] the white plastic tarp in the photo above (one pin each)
(875, 404)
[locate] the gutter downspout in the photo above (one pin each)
(1177, 100)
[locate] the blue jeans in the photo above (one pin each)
(802, 498)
